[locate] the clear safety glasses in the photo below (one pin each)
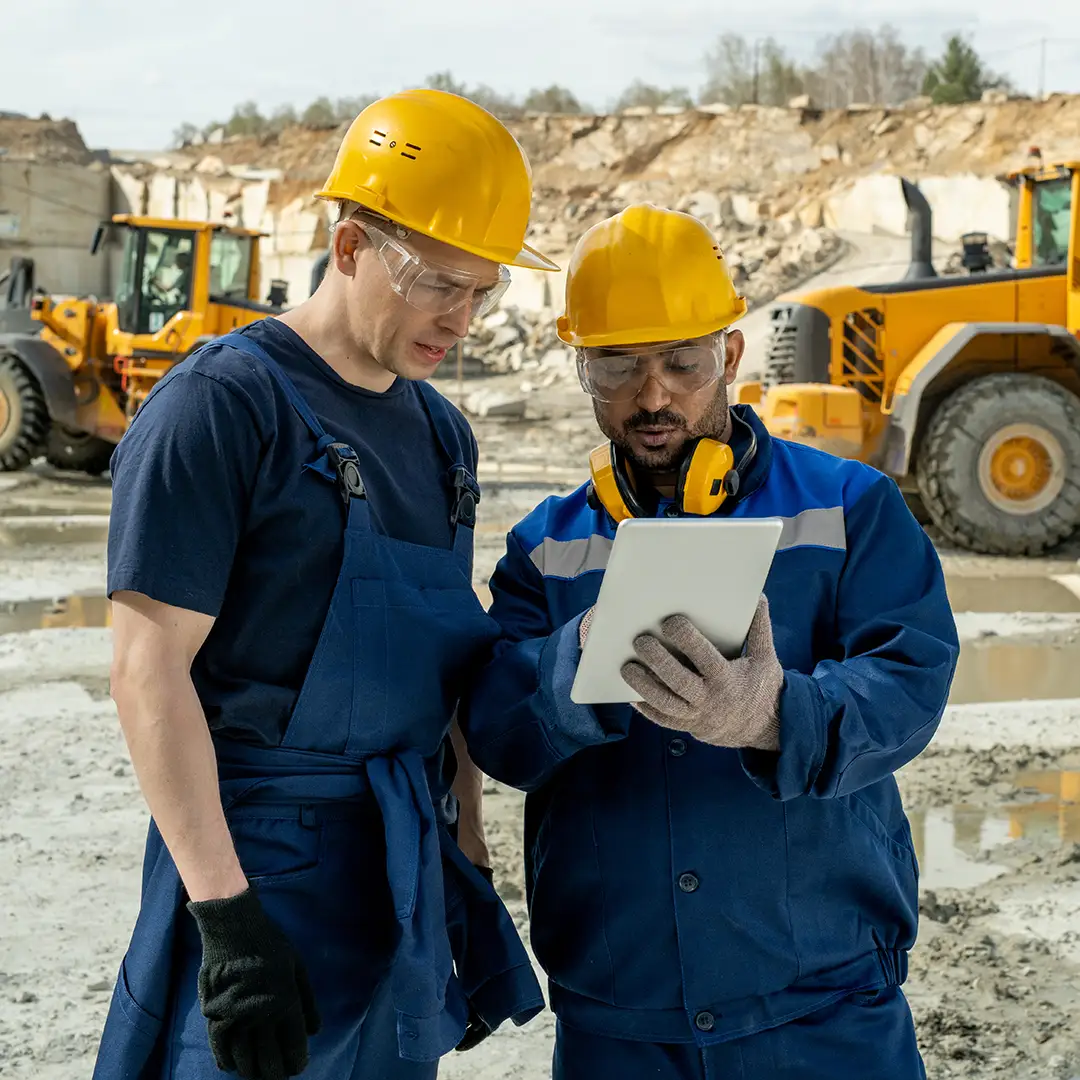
(610, 374)
(429, 286)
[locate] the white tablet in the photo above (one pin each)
(710, 569)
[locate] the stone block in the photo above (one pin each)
(495, 403)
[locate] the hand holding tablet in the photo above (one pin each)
(711, 570)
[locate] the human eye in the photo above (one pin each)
(688, 361)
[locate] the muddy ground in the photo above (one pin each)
(994, 802)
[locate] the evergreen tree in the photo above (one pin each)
(959, 75)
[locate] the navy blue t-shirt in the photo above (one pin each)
(213, 512)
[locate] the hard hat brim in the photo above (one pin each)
(528, 257)
(648, 334)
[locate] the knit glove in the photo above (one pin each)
(583, 627)
(253, 990)
(718, 701)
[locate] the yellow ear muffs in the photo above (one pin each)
(706, 478)
(611, 487)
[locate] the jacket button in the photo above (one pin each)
(688, 882)
(704, 1021)
(677, 747)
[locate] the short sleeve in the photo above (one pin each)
(183, 476)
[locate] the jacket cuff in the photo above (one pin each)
(571, 727)
(793, 770)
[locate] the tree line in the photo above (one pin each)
(873, 67)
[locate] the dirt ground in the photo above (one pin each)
(994, 801)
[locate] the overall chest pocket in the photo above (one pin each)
(416, 646)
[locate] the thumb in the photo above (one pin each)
(759, 639)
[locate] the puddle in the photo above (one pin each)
(951, 842)
(25, 615)
(1014, 671)
(948, 841)
(992, 594)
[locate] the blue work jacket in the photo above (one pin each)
(684, 892)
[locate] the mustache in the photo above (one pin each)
(663, 418)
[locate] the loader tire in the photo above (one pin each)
(999, 467)
(24, 416)
(77, 450)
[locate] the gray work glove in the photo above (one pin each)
(583, 627)
(722, 702)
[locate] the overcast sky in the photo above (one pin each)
(129, 74)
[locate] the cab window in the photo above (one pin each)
(156, 278)
(230, 266)
(1052, 206)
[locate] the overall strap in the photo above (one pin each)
(337, 461)
(455, 446)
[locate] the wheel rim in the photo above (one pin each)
(5, 412)
(1021, 468)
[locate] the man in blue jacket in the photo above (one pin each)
(721, 879)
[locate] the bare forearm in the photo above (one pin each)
(468, 787)
(173, 758)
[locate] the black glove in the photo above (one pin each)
(476, 1031)
(253, 990)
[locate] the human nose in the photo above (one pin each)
(653, 395)
(457, 321)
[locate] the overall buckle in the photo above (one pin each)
(466, 497)
(346, 465)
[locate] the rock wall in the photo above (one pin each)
(49, 212)
(773, 183)
(55, 142)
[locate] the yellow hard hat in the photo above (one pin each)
(442, 165)
(647, 274)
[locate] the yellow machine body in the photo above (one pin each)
(74, 370)
(181, 284)
(865, 372)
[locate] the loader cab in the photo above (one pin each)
(166, 269)
(1044, 217)
(156, 278)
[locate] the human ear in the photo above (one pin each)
(736, 344)
(347, 243)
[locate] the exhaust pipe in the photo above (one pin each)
(921, 237)
(18, 283)
(318, 271)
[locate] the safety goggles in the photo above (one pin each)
(615, 375)
(430, 286)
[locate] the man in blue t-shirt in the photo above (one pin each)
(290, 558)
(721, 877)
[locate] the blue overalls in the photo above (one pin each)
(346, 827)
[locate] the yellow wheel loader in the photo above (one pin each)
(964, 388)
(74, 371)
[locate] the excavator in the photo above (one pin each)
(73, 371)
(965, 388)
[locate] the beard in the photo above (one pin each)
(664, 460)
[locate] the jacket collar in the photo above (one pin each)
(756, 471)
